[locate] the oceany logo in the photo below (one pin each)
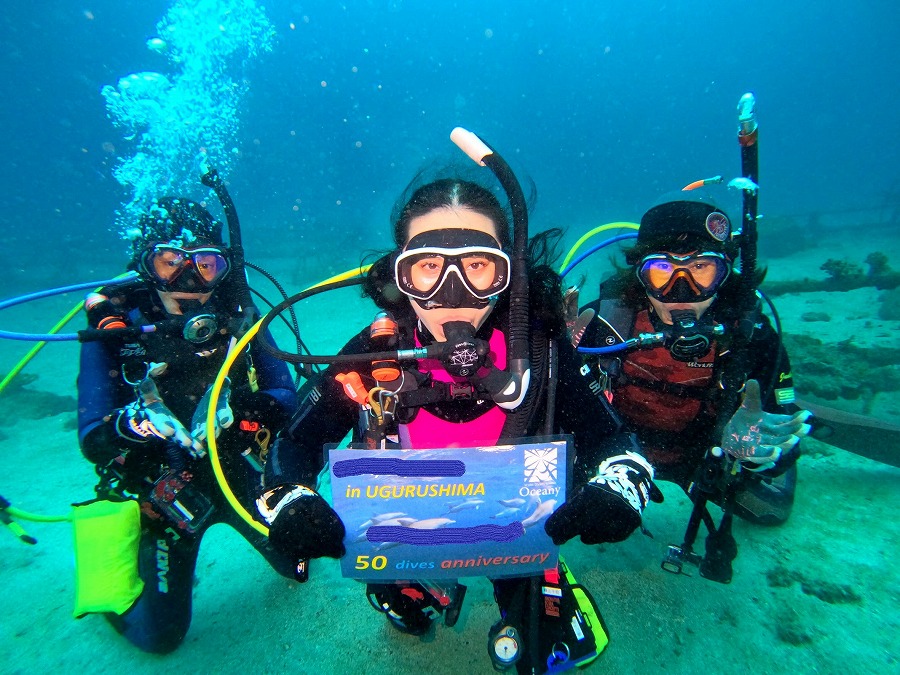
(698, 364)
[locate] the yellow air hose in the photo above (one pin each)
(595, 231)
(214, 398)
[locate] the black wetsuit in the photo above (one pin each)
(327, 414)
(673, 406)
(159, 619)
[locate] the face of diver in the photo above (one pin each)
(664, 310)
(441, 219)
(175, 301)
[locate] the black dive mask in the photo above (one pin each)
(693, 277)
(453, 268)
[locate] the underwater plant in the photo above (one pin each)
(840, 270)
(878, 264)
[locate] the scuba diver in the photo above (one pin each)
(143, 400)
(449, 284)
(670, 326)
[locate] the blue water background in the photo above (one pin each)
(603, 105)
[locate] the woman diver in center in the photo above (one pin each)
(447, 281)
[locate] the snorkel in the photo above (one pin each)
(517, 340)
(716, 475)
(747, 137)
(216, 183)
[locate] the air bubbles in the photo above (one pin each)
(488, 33)
(157, 45)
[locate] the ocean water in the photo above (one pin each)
(320, 113)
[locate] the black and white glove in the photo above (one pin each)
(756, 438)
(149, 418)
(608, 507)
(301, 523)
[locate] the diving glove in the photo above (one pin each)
(608, 507)
(149, 417)
(224, 416)
(301, 523)
(756, 438)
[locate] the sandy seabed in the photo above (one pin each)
(817, 595)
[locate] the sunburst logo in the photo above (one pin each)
(540, 465)
(464, 357)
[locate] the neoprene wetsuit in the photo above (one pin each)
(159, 619)
(327, 414)
(672, 405)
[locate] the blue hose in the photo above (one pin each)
(622, 346)
(56, 337)
(612, 240)
(594, 249)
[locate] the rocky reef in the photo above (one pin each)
(841, 275)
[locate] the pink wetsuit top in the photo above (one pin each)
(429, 431)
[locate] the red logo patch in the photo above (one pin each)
(718, 226)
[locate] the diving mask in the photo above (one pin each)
(441, 267)
(167, 264)
(694, 277)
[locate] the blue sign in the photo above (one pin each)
(448, 513)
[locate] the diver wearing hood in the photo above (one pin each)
(681, 283)
(142, 404)
(447, 281)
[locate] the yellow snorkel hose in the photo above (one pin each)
(595, 231)
(214, 398)
(38, 346)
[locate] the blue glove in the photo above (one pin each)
(301, 524)
(149, 417)
(756, 438)
(224, 416)
(608, 507)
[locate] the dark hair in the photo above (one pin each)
(442, 193)
(545, 286)
(452, 193)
